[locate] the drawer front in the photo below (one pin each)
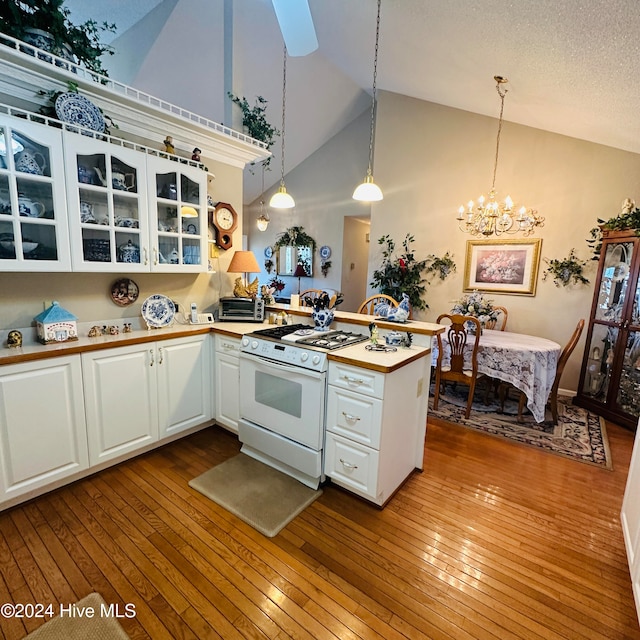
(351, 465)
(354, 416)
(355, 379)
(224, 344)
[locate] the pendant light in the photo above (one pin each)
(281, 199)
(369, 191)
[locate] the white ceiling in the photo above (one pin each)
(573, 66)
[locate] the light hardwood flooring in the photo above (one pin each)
(493, 540)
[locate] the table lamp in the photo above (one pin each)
(299, 273)
(244, 262)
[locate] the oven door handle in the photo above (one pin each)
(266, 362)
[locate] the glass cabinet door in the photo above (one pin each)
(107, 205)
(33, 222)
(178, 215)
(614, 281)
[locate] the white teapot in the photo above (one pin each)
(30, 208)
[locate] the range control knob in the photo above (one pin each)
(315, 359)
(304, 356)
(245, 342)
(254, 344)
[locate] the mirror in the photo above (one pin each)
(289, 257)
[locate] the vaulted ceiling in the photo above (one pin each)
(572, 66)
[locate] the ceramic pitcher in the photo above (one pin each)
(31, 162)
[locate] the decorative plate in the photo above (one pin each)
(325, 252)
(268, 252)
(76, 109)
(124, 292)
(158, 311)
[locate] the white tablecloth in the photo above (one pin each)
(529, 363)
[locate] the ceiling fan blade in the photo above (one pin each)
(296, 25)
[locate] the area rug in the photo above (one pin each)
(579, 434)
(261, 496)
(81, 626)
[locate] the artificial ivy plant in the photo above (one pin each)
(628, 218)
(295, 237)
(441, 267)
(567, 270)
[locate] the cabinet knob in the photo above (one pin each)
(161, 352)
(146, 255)
(152, 359)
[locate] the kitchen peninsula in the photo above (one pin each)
(108, 398)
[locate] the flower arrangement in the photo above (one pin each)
(476, 305)
(401, 274)
(564, 271)
(276, 284)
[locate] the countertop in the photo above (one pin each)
(356, 355)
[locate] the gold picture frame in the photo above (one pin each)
(502, 266)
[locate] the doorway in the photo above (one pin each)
(355, 261)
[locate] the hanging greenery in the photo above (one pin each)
(441, 267)
(567, 270)
(255, 120)
(295, 237)
(628, 218)
(401, 274)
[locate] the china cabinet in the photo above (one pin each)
(610, 374)
(41, 441)
(33, 218)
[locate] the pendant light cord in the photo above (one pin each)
(373, 100)
(502, 92)
(284, 95)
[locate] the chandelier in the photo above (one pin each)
(489, 217)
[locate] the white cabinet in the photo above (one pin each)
(375, 427)
(227, 381)
(33, 211)
(108, 210)
(185, 395)
(138, 394)
(42, 424)
(178, 216)
(630, 517)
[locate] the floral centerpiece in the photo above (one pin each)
(476, 305)
(276, 284)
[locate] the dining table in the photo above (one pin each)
(529, 363)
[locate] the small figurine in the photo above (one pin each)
(113, 330)
(373, 331)
(168, 145)
(126, 327)
(14, 339)
(95, 331)
(196, 154)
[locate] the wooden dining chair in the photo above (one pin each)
(458, 337)
(500, 322)
(552, 402)
(308, 296)
(369, 305)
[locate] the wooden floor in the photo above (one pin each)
(493, 540)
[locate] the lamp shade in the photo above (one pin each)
(281, 199)
(243, 262)
(300, 271)
(188, 212)
(368, 191)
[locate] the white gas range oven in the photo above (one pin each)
(283, 372)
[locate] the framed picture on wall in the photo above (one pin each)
(502, 266)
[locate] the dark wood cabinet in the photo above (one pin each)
(610, 375)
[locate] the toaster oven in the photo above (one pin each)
(234, 309)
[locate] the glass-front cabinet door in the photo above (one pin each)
(107, 195)
(178, 216)
(33, 221)
(610, 377)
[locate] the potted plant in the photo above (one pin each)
(401, 274)
(45, 24)
(564, 271)
(255, 122)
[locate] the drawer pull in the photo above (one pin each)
(348, 465)
(152, 360)
(161, 356)
(145, 254)
(351, 380)
(349, 417)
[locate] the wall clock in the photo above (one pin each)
(225, 220)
